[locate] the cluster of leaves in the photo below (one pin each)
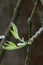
(10, 45)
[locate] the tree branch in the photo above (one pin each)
(33, 11)
(36, 35)
(27, 59)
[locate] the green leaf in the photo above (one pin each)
(11, 43)
(15, 31)
(15, 35)
(9, 46)
(12, 46)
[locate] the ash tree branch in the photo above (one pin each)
(33, 37)
(29, 21)
(36, 35)
(27, 59)
(33, 11)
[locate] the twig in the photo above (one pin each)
(40, 14)
(27, 59)
(36, 35)
(14, 19)
(33, 11)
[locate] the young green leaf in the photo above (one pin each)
(11, 43)
(15, 35)
(15, 31)
(9, 46)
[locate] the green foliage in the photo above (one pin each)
(12, 46)
(14, 32)
(9, 46)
